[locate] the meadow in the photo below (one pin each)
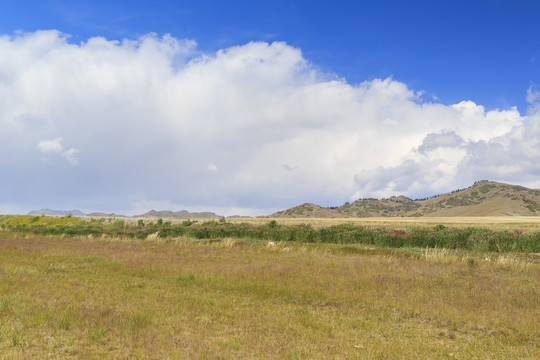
(119, 294)
(383, 234)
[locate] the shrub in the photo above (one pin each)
(440, 236)
(272, 224)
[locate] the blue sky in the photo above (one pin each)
(294, 92)
(486, 51)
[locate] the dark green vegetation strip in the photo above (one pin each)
(438, 236)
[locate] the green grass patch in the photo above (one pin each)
(30, 221)
(69, 297)
(439, 236)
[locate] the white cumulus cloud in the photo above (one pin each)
(147, 120)
(51, 146)
(54, 146)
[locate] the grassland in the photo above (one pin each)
(496, 223)
(159, 297)
(380, 235)
(65, 297)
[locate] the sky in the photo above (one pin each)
(250, 107)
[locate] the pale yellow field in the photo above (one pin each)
(524, 224)
(116, 298)
(511, 223)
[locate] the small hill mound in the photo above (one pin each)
(183, 214)
(104, 215)
(307, 210)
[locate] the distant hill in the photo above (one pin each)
(103, 215)
(183, 214)
(484, 198)
(49, 212)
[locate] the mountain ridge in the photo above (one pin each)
(483, 198)
(49, 212)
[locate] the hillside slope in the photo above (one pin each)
(484, 198)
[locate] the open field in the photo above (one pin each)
(510, 223)
(93, 298)
(383, 234)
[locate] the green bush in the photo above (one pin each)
(440, 236)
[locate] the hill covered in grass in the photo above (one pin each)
(483, 198)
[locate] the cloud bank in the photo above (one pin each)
(119, 125)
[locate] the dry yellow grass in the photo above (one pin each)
(182, 299)
(493, 207)
(510, 223)
(524, 223)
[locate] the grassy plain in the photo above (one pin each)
(381, 234)
(510, 223)
(180, 298)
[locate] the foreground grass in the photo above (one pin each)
(63, 297)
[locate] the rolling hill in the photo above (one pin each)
(50, 212)
(183, 214)
(483, 198)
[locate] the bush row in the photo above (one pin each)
(439, 236)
